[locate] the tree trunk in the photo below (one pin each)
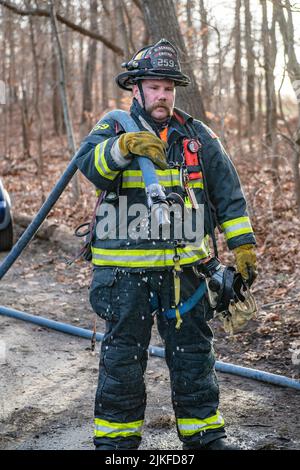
(128, 17)
(237, 68)
(57, 111)
(64, 98)
(259, 123)
(104, 69)
(250, 71)
(293, 67)
(117, 93)
(162, 22)
(25, 124)
(5, 127)
(11, 71)
(38, 113)
(269, 46)
(190, 28)
(121, 26)
(205, 76)
(81, 44)
(87, 100)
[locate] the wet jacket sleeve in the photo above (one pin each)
(95, 158)
(225, 192)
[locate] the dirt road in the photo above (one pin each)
(48, 379)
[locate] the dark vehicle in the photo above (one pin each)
(6, 226)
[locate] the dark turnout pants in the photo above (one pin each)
(123, 300)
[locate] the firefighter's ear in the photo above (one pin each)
(135, 91)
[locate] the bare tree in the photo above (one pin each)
(293, 68)
(45, 13)
(116, 32)
(119, 7)
(162, 22)
(205, 79)
(68, 122)
(270, 51)
(23, 104)
(250, 70)
(237, 68)
(90, 65)
(57, 109)
(37, 109)
(190, 28)
(104, 77)
(4, 127)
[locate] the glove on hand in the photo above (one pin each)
(245, 258)
(144, 144)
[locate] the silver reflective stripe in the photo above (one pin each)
(140, 258)
(117, 157)
(239, 226)
(236, 227)
(109, 430)
(196, 427)
(134, 178)
(168, 178)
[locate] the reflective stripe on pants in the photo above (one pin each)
(105, 428)
(189, 427)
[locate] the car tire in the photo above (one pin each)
(6, 237)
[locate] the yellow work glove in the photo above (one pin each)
(245, 258)
(144, 144)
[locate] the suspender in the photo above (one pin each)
(211, 209)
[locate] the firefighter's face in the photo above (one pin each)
(159, 98)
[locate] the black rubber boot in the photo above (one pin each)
(219, 444)
(215, 444)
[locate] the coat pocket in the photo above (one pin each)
(103, 294)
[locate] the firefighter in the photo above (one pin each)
(130, 270)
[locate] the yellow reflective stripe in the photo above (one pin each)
(166, 184)
(109, 173)
(196, 184)
(105, 428)
(132, 185)
(142, 253)
(191, 426)
(236, 233)
(240, 226)
(167, 178)
(142, 264)
(116, 434)
(101, 164)
(167, 172)
(148, 258)
(232, 222)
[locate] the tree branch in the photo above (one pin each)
(61, 19)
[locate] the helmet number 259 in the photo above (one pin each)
(165, 62)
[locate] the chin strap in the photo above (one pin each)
(140, 86)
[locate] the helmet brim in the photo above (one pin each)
(126, 80)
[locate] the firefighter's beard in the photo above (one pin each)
(166, 115)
